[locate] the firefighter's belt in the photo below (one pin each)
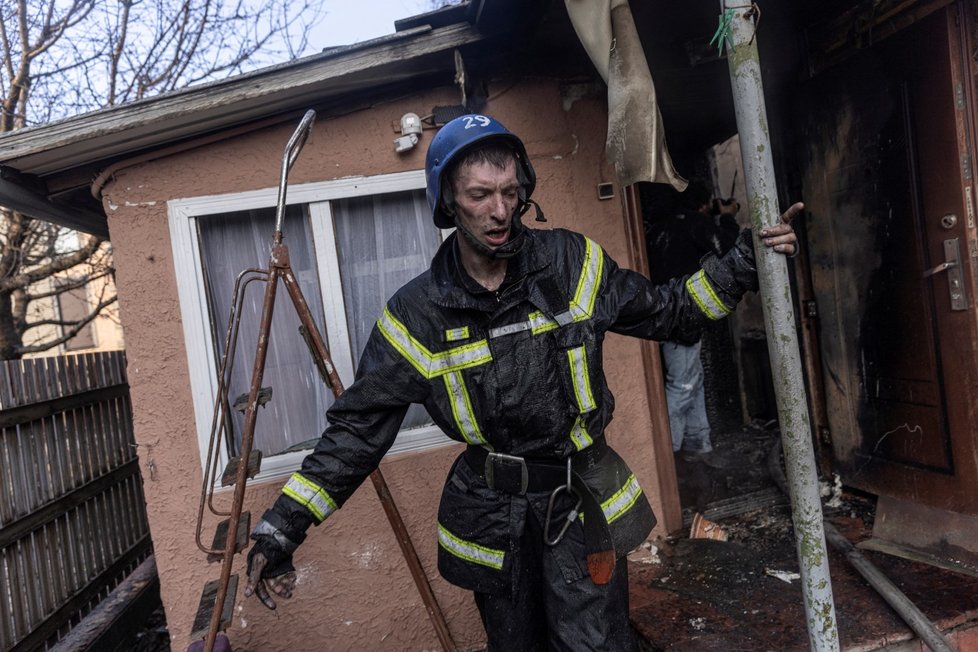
(518, 475)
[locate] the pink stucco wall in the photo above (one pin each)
(354, 592)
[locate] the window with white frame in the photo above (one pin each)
(352, 244)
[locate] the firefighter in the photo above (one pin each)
(501, 340)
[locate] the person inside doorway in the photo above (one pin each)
(678, 240)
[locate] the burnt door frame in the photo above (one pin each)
(941, 114)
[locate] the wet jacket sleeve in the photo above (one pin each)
(678, 310)
(363, 423)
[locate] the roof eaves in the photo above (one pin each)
(153, 121)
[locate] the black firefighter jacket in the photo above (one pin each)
(517, 371)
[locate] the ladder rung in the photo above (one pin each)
(230, 474)
(202, 621)
(221, 536)
(241, 403)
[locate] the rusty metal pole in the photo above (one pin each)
(317, 347)
(779, 322)
(897, 599)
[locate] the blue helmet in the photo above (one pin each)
(455, 137)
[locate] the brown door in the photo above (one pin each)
(888, 180)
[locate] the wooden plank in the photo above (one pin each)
(6, 604)
(16, 384)
(50, 386)
(26, 389)
(27, 373)
(42, 462)
(34, 588)
(101, 413)
(53, 564)
(5, 397)
(221, 537)
(7, 487)
(24, 413)
(68, 472)
(15, 468)
(118, 618)
(229, 476)
(18, 625)
(43, 631)
(34, 465)
(111, 505)
(205, 608)
(20, 527)
(40, 379)
(58, 376)
(66, 528)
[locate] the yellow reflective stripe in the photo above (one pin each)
(623, 499)
(428, 364)
(577, 358)
(586, 294)
(469, 551)
(581, 306)
(540, 323)
(699, 287)
(310, 495)
(456, 334)
(462, 408)
(579, 434)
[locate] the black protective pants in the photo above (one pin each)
(544, 612)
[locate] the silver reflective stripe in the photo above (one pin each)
(266, 528)
(509, 329)
(623, 499)
(456, 334)
(469, 551)
(577, 358)
(702, 292)
(579, 435)
(458, 395)
(536, 322)
(428, 364)
(310, 495)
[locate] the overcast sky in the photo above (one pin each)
(352, 21)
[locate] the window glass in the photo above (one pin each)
(231, 243)
(74, 306)
(383, 241)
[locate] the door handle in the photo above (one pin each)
(955, 277)
(943, 267)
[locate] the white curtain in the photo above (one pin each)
(229, 244)
(383, 241)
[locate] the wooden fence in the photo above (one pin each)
(72, 514)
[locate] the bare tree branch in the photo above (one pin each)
(67, 333)
(62, 57)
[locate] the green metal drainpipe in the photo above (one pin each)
(772, 270)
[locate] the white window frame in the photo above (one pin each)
(200, 343)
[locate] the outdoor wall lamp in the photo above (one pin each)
(410, 133)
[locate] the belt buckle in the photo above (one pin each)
(506, 467)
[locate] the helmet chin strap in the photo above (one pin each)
(517, 231)
(506, 250)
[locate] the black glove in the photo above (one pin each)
(276, 538)
(278, 561)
